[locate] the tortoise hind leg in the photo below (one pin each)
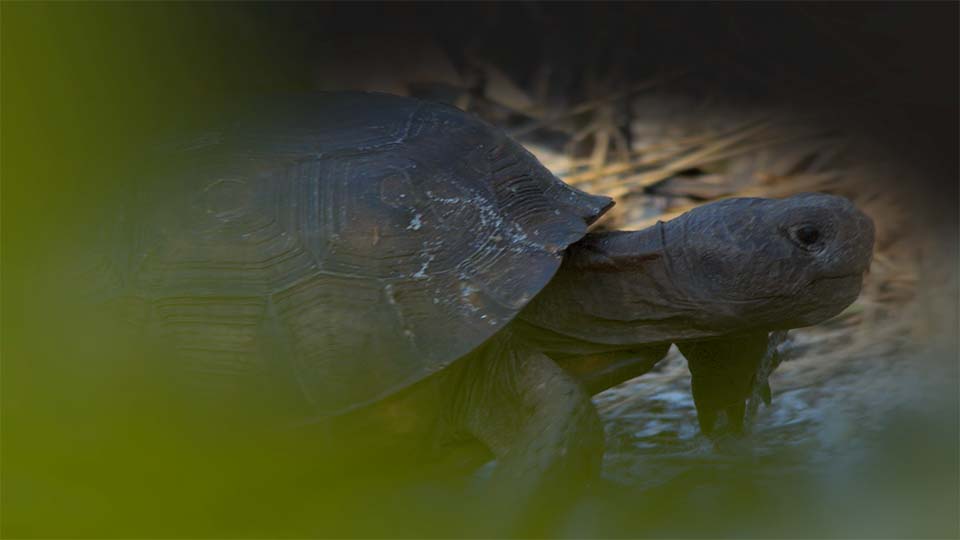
(541, 426)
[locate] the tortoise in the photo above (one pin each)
(401, 265)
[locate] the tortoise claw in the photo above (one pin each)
(727, 424)
(760, 390)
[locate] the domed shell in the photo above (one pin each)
(348, 244)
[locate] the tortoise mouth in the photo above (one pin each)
(831, 294)
(840, 280)
(840, 290)
(850, 281)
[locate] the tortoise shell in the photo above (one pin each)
(350, 244)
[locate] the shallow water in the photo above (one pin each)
(860, 440)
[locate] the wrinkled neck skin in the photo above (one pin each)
(617, 290)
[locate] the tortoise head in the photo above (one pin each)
(770, 263)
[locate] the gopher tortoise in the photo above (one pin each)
(403, 268)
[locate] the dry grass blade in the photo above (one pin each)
(685, 146)
(709, 155)
(618, 168)
(704, 155)
(682, 142)
(795, 184)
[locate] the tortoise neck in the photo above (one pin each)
(619, 251)
(618, 288)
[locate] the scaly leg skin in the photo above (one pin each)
(543, 429)
(723, 374)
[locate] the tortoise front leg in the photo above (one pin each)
(542, 427)
(723, 372)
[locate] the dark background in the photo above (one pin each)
(87, 80)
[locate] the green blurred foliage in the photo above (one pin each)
(91, 444)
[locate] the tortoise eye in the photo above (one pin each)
(806, 235)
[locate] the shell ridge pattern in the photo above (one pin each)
(388, 237)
